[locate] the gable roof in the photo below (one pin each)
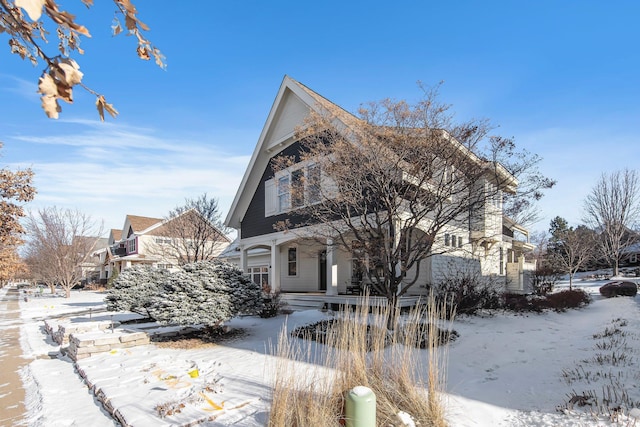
(139, 223)
(292, 105)
(115, 235)
(164, 230)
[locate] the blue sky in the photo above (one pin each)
(561, 77)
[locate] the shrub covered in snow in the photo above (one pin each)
(206, 293)
(135, 288)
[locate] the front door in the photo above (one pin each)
(322, 256)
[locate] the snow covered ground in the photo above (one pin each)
(504, 370)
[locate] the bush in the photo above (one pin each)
(521, 303)
(273, 304)
(206, 292)
(135, 289)
(468, 293)
(560, 301)
(544, 279)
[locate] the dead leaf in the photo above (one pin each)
(102, 105)
(50, 106)
(71, 71)
(143, 53)
(47, 85)
(116, 28)
(32, 7)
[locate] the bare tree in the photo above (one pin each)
(393, 179)
(612, 209)
(192, 232)
(23, 22)
(570, 248)
(59, 242)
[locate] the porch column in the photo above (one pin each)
(332, 269)
(275, 267)
(243, 260)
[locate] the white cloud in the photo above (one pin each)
(109, 172)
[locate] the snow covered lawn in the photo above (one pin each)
(504, 370)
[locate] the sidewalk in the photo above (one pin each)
(12, 395)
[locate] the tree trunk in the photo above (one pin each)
(392, 300)
(615, 268)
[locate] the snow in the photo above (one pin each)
(505, 369)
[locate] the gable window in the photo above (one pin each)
(297, 188)
(313, 184)
(292, 261)
(131, 245)
(293, 188)
(283, 193)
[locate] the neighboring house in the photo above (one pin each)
(287, 262)
(89, 271)
(149, 241)
(631, 256)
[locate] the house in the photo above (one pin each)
(289, 262)
(89, 270)
(158, 243)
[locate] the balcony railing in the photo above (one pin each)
(119, 251)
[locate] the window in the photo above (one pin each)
(260, 276)
(313, 184)
(446, 239)
(501, 261)
(162, 241)
(292, 189)
(633, 258)
(459, 242)
(453, 241)
(292, 261)
(297, 188)
(283, 193)
(131, 245)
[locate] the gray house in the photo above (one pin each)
(288, 262)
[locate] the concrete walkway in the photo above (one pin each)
(12, 396)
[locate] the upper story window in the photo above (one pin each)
(313, 184)
(283, 193)
(293, 188)
(131, 245)
(297, 188)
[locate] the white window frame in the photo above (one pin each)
(278, 190)
(132, 246)
(260, 272)
(284, 193)
(294, 262)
